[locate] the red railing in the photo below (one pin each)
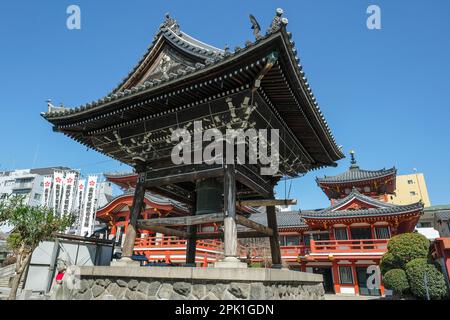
(208, 251)
(349, 246)
(173, 249)
(166, 241)
(294, 251)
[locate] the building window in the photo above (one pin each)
(382, 232)
(346, 275)
(340, 234)
(410, 182)
(412, 193)
(22, 191)
(307, 240)
(37, 196)
(292, 240)
(9, 183)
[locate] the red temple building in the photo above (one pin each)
(343, 240)
(340, 242)
(156, 246)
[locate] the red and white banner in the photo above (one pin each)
(80, 196)
(47, 188)
(58, 177)
(68, 192)
(88, 217)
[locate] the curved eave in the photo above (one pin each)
(348, 216)
(376, 176)
(127, 198)
(298, 81)
(299, 228)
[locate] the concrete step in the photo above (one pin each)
(4, 282)
(8, 270)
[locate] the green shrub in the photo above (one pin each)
(406, 247)
(388, 262)
(396, 280)
(415, 271)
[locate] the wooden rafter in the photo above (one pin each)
(267, 202)
(166, 231)
(182, 221)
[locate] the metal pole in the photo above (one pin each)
(425, 280)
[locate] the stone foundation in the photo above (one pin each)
(184, 283)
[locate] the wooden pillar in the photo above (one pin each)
(229, 195)
(191, 243)
(138, 205)
(336, 281)
(355, 278)
(274, 239)
(372, 231)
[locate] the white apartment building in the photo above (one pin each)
(63, 189)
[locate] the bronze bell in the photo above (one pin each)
(209, 196)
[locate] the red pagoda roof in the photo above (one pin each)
(369, 182)
(358, 206)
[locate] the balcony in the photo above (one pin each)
(22, 186)
(349, 246)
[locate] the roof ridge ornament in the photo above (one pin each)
(226, 50)
(52, 108)
(255, 27)
(277, 22)
(170, 23)
(353, 164)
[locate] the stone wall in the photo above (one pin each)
(161, 284)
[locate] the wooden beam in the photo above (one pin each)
(183, 221)
(253, 180)
(166, 176)
(171, 195)
(267, 202)
(253, 225)
(166, 231)
(240, 234)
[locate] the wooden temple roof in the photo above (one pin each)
(285, 220)
(365, 207)
(355, 174)
(151, 199)
(179, 72)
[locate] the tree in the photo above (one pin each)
(416, 270)
(388, 262)
(31, 225)
(405, 247)
(405, 264)
(396, 281)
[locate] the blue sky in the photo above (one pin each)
(385, 93)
